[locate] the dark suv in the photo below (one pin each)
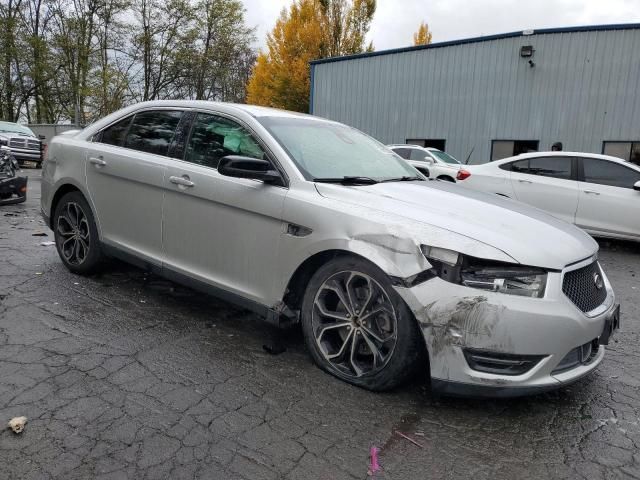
(24, 144)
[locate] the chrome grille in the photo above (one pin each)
(24, 143)
(580, 287)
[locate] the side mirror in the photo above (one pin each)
(429, 160)
(41, 137)
(636, 186)
(247, 167)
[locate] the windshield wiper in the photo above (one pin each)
(347, 180)
(403, 179)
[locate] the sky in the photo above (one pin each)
(395, 21)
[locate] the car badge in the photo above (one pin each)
(597, 281)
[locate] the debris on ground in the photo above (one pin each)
(374, 466)
(274, 348)
(47, 244)
(39, 234)
(406, 437)
(17, 424)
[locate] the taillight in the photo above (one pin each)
(45, 151)
(463, 174)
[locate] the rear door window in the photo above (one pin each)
(604, 172)
(153, 131)
(555, 167)
(521, 166)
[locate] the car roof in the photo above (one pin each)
(253, 110)
(524, 156)
(408, 145)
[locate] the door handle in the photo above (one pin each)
(592, 192)
(98, 162)
(525, 181)
(182, 181)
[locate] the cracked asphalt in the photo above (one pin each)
(125, 375)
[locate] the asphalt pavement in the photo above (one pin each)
(126, 375)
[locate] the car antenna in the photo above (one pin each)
(466, 162)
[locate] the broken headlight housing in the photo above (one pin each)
(489, 275)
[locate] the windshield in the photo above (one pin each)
(8, 127)
(324, 150)
(444, 157)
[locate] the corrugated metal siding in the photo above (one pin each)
(584, 89)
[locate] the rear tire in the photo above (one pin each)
(358, 328)
(76, 234)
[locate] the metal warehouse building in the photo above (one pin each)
(491, 97)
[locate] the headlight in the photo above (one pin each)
(487, 275)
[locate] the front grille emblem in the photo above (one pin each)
(597, 281)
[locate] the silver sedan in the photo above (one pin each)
(309, 221)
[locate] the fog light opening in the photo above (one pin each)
(500, 363)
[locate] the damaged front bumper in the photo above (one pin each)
(13, 190)
(484, 343)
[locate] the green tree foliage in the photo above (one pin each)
(62, 59)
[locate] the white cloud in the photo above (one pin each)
(263, 14)
(396, 20)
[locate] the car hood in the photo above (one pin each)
(526, 234)
(10, 135)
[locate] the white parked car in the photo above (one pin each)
(309, 221)
(598, 193)
(431, 162)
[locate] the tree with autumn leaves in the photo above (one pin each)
(423, 36)
(308, 30)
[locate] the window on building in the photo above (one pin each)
(629, 151)
(425, 142)
(508, 148)
(604, 172)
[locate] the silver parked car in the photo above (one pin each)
(306, 220)
(24, 144)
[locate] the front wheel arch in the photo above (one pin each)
(411, 347)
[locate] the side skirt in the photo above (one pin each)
(269, 314)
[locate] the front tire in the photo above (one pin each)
(76, 235)
(357, 327)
